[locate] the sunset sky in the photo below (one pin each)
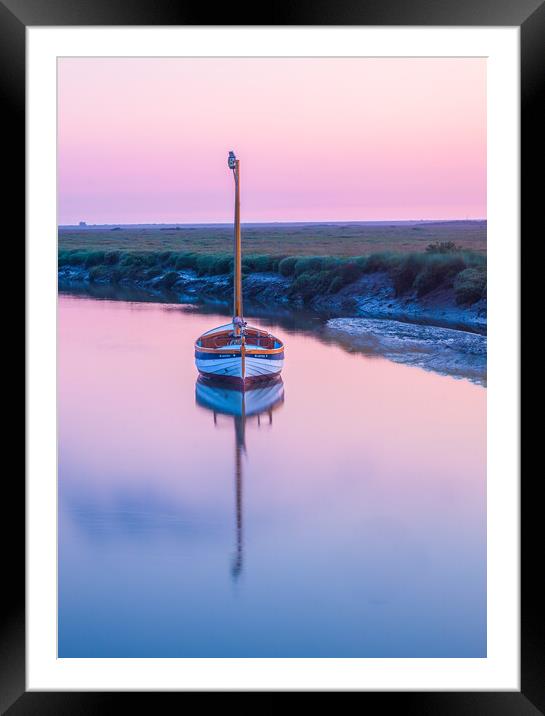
(328, 139)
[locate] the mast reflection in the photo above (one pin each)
(243, 405)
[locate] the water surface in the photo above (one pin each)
(346, 518)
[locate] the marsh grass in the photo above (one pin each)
(311, 276)
(418, 257)
(470, 285)
(281, 240)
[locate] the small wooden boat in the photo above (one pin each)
(237, 352)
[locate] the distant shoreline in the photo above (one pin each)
(228, 222)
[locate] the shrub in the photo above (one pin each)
(470, 285)
(184, 261)
(260, 263)
(111, 257)
(361, 262)
(310, 284)
(374, 262)
(132, 267)
(164, 256)
(275, 263)
(437, 272)
(304, 264)
(307, 264)
(151, 259)
(443, 247)
(286, 266)
(213, 264)
(404, 271)
(223, 264)
(63, 258)
(129, 259)
(76, 258)
(345, 273)
(94, 258)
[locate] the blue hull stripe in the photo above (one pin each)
(219, 356)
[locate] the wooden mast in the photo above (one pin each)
(238, 322)
(237, 307)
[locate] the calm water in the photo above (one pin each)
(341, 515)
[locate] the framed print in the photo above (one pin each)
(273, 309)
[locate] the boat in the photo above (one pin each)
(236, 352)
(254, 404)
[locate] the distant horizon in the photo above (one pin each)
(145, 140)
(268, 223)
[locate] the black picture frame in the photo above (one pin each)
(15, 16)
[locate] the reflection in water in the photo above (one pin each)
(364, 525)
(242, 405)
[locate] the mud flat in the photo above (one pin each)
(460, 354)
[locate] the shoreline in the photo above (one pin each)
(372, 296)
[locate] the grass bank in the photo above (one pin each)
(440, 265)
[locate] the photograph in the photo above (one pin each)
(272, 357)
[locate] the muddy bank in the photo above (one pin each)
(460, 354)
(371, 296)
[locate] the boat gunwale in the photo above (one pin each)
(235, 351)
(253, 350)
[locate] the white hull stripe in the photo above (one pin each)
(201, 355)
(233, 367)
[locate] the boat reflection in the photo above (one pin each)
(254, 404)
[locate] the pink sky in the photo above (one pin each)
(347, 139)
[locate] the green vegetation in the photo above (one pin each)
(418, 272)
(470, 285)
(421, 273)
(318, 259)
(443, 247)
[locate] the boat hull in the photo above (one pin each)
(236, 368)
